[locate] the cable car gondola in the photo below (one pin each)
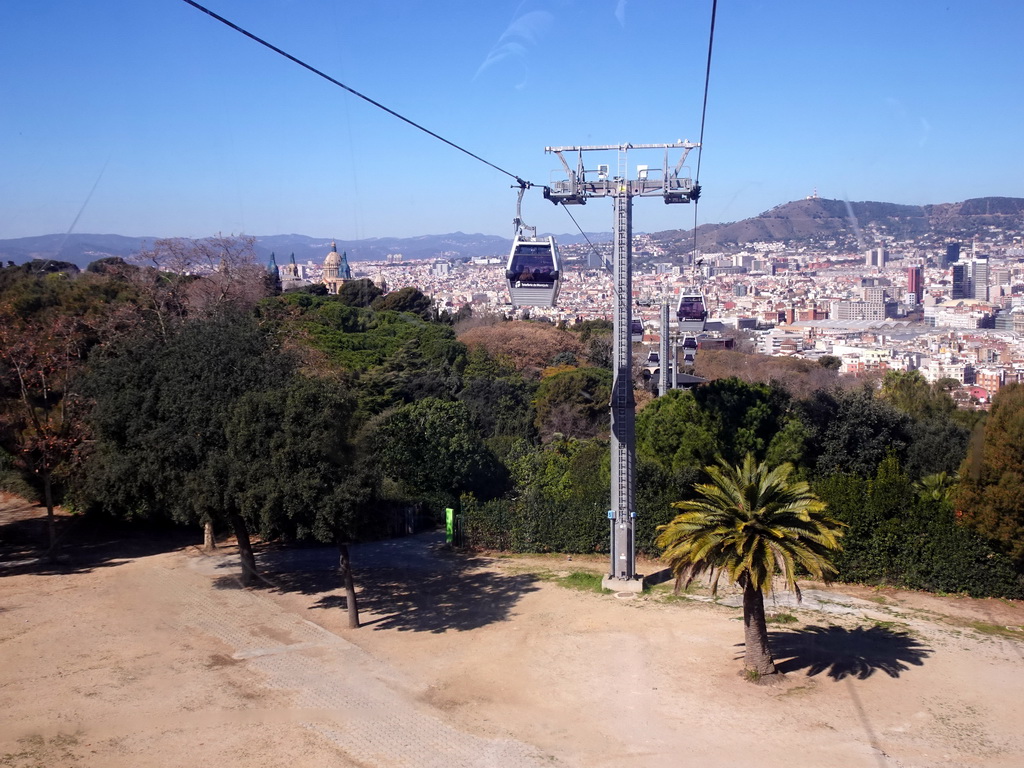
(692, 313)
(689, 351)
(636, 330)
(533, 271)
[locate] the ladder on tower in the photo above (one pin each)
(623, 404)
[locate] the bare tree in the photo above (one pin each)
(41, 417)
(201, 277)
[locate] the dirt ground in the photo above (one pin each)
(143, 651)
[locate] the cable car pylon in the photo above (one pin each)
(580, 185)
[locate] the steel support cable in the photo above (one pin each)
(703, 116)
(353, 91)
(593, 248)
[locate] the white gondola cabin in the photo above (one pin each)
(533, 272)
(692, 313)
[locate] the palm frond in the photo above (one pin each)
(752, 523)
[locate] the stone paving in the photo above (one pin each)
(335, 689)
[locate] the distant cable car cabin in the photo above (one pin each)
(636, 330)
(692, 313)
(689, 350)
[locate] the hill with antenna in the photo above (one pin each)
(838, 225)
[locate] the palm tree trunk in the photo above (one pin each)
(245, 553)
(345, 566)
(758, 658)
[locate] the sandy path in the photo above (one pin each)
(873, 678)
(157, 660)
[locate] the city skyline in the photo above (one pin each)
(155, 120)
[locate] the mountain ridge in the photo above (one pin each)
(837, 225)
(851, 226)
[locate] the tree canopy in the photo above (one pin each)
(309, 416)
(991, 495)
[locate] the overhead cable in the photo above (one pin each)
(703, 116)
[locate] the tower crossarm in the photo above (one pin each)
(576, 188)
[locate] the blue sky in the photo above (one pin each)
(149, 118)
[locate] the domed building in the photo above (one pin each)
(336, 270)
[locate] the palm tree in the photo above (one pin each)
(751, 523)
(938, 487)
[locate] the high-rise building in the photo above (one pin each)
(876, 257)
(952, 254)
(960, 282)
(915, 284)
(978, 269)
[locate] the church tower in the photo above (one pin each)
(336, 270)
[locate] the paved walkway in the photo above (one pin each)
(336, 689)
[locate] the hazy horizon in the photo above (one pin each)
(154, 119)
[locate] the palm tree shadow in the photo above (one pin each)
(840, 652)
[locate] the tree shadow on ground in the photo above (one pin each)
(84, 543)
(841, 652)
(411, 584)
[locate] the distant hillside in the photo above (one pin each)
(834, 225)
(850, 226)
(78, 249)
(83, 249)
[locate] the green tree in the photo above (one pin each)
(909, 392)
(562, 492)
(747, 416)
(852, 431)
(408, 299)
(160, 422)
(906, 534)
(573, 403)
(558, 502)
(991, 492)
(359, 293)
(727, 418)
(432, 449)
(498, 397)
(676, 433)
(937, 444)
(296, 472)
(751, 523)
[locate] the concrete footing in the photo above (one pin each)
(638, 583)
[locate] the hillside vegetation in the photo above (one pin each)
(152, 396)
